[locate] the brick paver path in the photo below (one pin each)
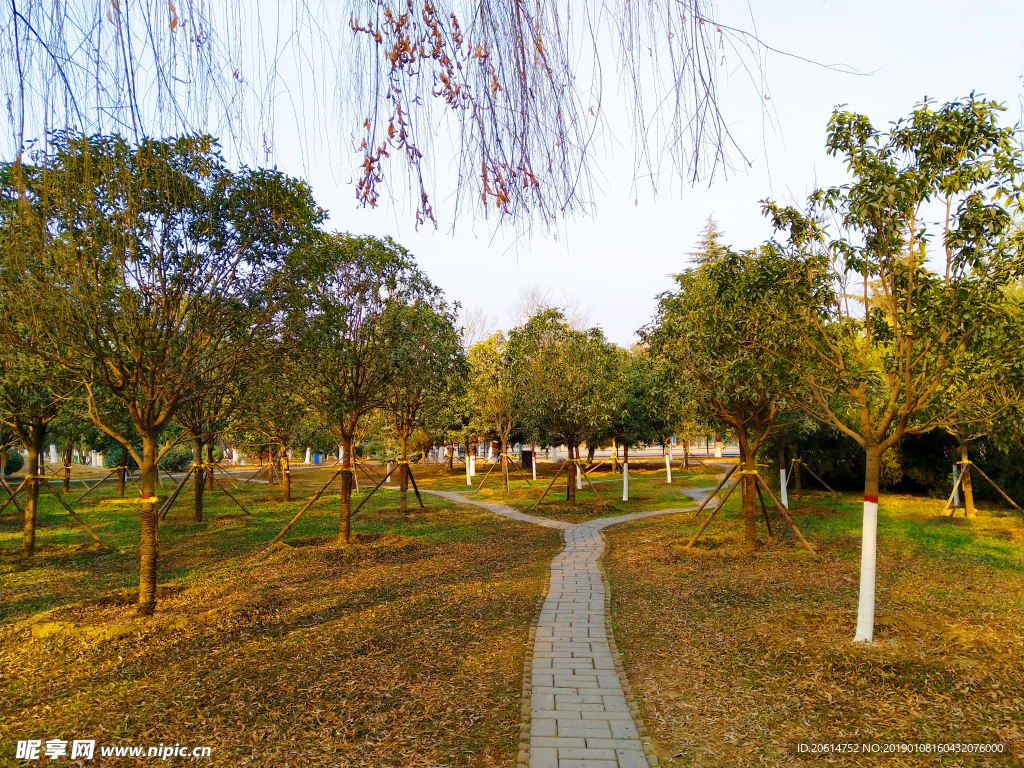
(579, 714)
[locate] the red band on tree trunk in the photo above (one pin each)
(872, 499)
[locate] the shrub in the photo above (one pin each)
(177, 459)
(15, 461)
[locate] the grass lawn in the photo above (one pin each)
(737, 659)
(647, 490)
(405, 648)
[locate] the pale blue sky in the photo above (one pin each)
(617, 262)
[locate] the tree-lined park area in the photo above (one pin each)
(271, 497)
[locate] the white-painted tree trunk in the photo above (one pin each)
(534, 462)
(866, 604)
(668, 462)
(341, 453)
(469, 471)
(387, 473)
(625, 481)
(309, 457)
(53, 454)
(718, 448)
(956, 489)
(782, 484)
(472, 464)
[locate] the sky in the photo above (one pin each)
(614, 264)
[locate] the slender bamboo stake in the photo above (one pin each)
(829, 489)
(408, 471)
(265, 467)
(302, 511)
(548, 488)
(230, 495)
(174, 494)
(1001, 491)
(79, 520)
(12, 494)
(592, 488)
(718, 487)
(764, 509)
(711, 517)
(785, 514)
(493, 465)
(227, 475)
(955, 486)
(518, 468)
(391, 472)
(93, 487)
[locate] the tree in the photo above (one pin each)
(566, 379)
(427, 355)
(877, 372)
(710, 337)
(135, 266)
(495, 394)
(640, 394)
(343, 322)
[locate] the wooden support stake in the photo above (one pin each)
(13, 495)
(174, 494)
(230, 495)
(393, 470)
(718, 487)
(817, 478)
(96, 485)
(547, 489)
(408, 470)
(712, 515)
(259, 471)
(956, 485)
(1001, 491)
(493, 465)
(765, 510)
(592, 488)
(302, 511)
(79, 520)
(785, 514)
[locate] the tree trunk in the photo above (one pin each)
(749, 462)
(451, 458)
(783, 485)
(122, 472)
(579, 470)
(504, 461)
(210, 462)
(286, 473)
(149, 544)
(615, 456)
(345, 519)
(69, 448)
(686, 455)
(200, 479)
(869, 542)
(403, 472)
(591, 449)
(666, 448)
(965, 467)
(36, 435)
(625, 472)
(570, 475)
(795, 458)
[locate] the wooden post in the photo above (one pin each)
(712, 515)
(764, 509)
(408, 470)
(12, 494)
(493, 465)
(548, 488)
(370, 494)
(785, 514)
(1002, 493)
(302, 511)
(717, 489)
(587, 478)
(95, 485)
(955, 486)
(230, 495)
(174, 494)
(79, 520)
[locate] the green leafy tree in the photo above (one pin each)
(495, 395)
(884, 336)
(427, 355)
(566, 383)
(711, 335)
(344, 317)
(144, 269)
